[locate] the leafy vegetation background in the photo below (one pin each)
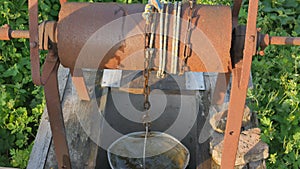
(275, 97)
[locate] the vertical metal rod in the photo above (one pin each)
(250, 42)
(240, 80)
(33, 40)
(174, 36)
(177, 38)
(165, 37)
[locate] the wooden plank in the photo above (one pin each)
(92, 161)
(43, 138)
(203, 158)
(83, 150)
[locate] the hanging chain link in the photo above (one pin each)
(147, 56)
(150, 25)
(146, 72)
(187, 52)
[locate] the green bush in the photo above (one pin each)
(275, 97)
(21, 102)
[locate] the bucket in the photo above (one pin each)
(162, 151)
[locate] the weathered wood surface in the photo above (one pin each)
(84, 126)
(82, 149)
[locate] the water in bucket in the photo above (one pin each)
(158, 151)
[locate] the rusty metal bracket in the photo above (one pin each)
(47, 34)
(48, 79)
(39, 37)
(47, 37)
(240, 79)
(55, 112)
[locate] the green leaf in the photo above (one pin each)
(10, 126)
(291, 4)
(20, 21)
(56, 7)
(11, 72)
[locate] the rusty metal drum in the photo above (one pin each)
(111, 35)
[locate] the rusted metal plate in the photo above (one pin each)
(223, 78)
(111, 78)
(109, 35)
(194, 81)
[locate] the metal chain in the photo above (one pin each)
(146, 73)
(146, 89)
(148, 52)
(187, 51)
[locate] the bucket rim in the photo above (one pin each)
(154, 133)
